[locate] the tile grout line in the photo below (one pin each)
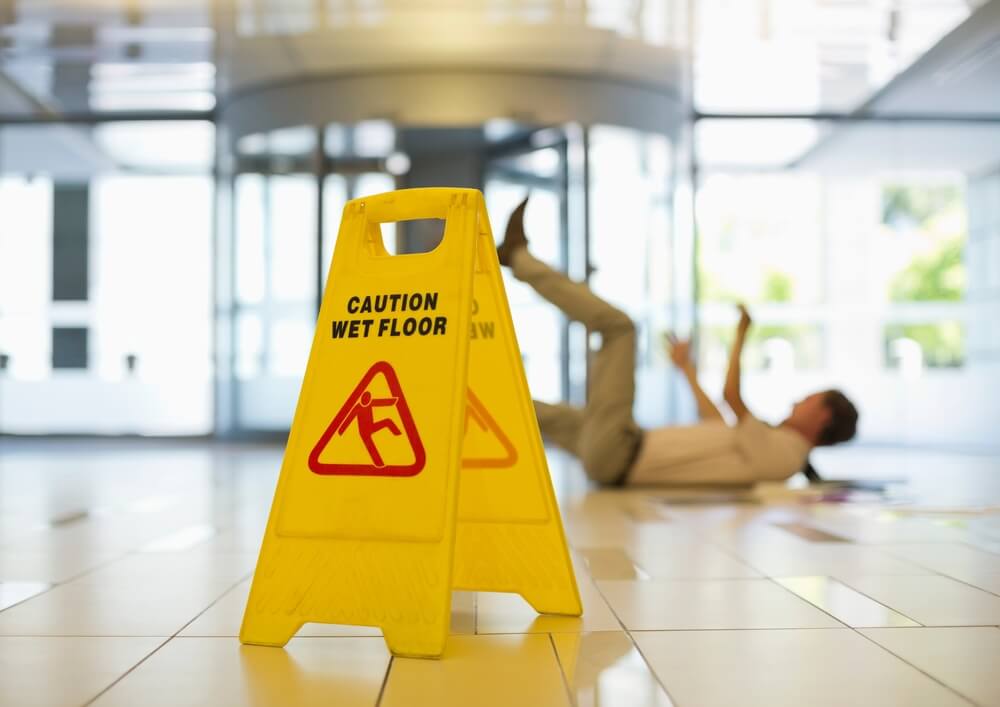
(131, 552)
(858, 632)
(385, 680)
(562, 671)
(866, 596)
(71, 578)
(597, 588)
(974, 586)
(127, 673)
(169, 639)
(863, 636)
(938, 573)
(803, 599)
(649, 667)
(837, 579)
(850, 586)
(904, 661)
(978, 547)
(736, 558)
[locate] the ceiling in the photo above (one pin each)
(957, 78)
(81, 56)
(120, 58)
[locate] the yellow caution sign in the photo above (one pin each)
(414, 465)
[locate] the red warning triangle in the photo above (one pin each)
(359, 416)
(476, 413)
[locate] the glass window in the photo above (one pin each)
(292, 238)
(858, 266)
(631, 247)
(539, 325)
(275, 258)
(374, 138)
(922, 244)
(250, 227)
(138, 335)
(158, 146)
(335, 197)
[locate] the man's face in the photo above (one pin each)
(812, 409)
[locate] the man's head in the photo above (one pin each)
(826, 418)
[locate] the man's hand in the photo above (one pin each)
(679, 351)
(745, 319)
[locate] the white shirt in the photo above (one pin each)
(715, 453)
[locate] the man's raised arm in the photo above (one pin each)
(731, 391)
(680, 354)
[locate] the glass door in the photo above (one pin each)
(542, 331)
(275, 290)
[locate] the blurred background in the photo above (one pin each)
(172, 174)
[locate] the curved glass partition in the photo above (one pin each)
(595, 192)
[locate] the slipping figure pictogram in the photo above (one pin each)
(364, 413)
(361, 409)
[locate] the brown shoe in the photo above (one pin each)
(514, 237)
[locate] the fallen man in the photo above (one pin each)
(603, 434)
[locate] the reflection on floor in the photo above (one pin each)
(124, 569)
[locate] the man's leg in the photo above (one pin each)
(608, 436)
(560, 425)
(574, 299)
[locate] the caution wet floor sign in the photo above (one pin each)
(414, 465)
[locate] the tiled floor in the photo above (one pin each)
(124, 570)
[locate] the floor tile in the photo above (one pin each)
(150, 542)
(182, 539)
(843, 603)
(643, 510)
(879, 525)
(597, 532)
(486, 671)
(198, 565)
(12, 593)
(224, 617)
(964, 659)
(509, 613)
(609, 563)
(132, 606)
(986, 581)
(798, 667)
(219, 672)
(960, 561)
(57, 671)
(932, 601)
(54, 566)
(606, 670)
(811, 533)
(689, 560)
(809, 559)
(656, 605)
(463, 613)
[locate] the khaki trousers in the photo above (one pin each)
(603, 435)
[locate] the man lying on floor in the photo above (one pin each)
(615, 450)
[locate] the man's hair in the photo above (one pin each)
(843, 422)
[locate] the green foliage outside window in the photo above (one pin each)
(905, 205)
(942, 343)
(937, 276)
(777, 286)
